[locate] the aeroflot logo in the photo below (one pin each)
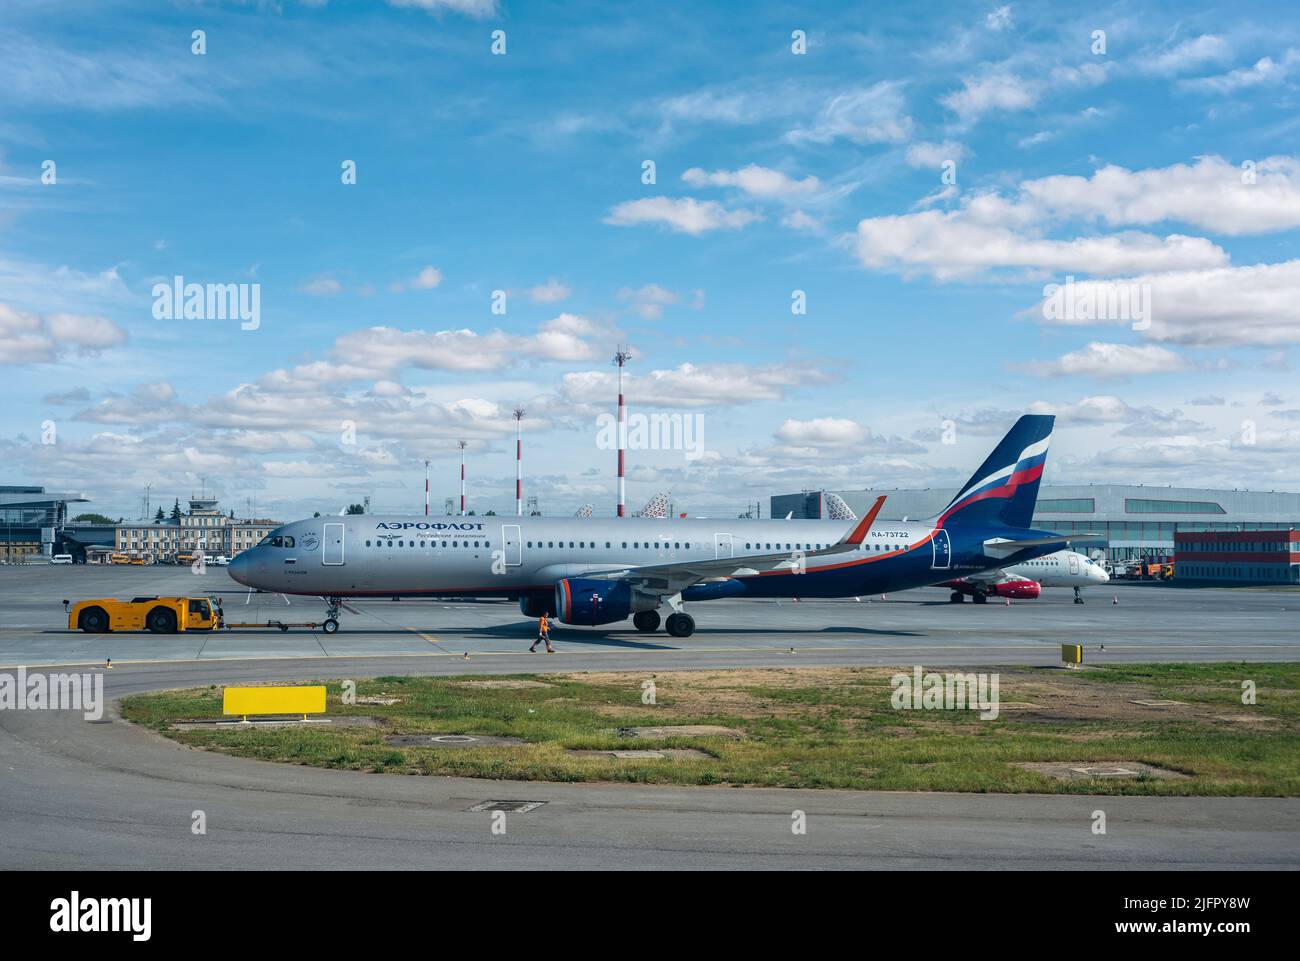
(426, 526)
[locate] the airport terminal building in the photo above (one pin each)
(1128, 521)
(203, 527)
(32, 521)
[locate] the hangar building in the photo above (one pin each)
(1130, 521)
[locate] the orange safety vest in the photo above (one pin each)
(543, 627)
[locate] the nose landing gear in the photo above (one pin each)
(1078, 598)
(680, 624)
(331, 623)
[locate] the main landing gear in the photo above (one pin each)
(331, 623)
(979, 597)
(678, 624)
(956, 597)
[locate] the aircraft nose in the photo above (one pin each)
(240, 568)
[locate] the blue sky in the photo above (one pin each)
(775, 172)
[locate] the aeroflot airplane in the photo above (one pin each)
(591, 571)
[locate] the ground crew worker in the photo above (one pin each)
(543, 634)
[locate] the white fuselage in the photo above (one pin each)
(1062, 569)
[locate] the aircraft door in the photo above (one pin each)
(332, 546)
(722, 545)
(942, 548)
(1074, 562)
(513, 547)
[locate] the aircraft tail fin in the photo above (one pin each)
(1005, 488)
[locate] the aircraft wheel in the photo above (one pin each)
(680, 625)
(956, 597)
(331, 626)
(93, 620)
(161, 621)
(980, 597)
(646, 621)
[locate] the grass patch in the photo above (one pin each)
(806, 728)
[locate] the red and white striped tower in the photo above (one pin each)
(426, 488)
(519, 461)
(621, 357)
(462, 477)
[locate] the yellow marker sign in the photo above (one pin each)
(1072, 653)
(273, 700)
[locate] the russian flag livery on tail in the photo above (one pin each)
(1005, 488)
(590, 571)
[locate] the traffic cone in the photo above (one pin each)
(1115, 599)
(1008, 601)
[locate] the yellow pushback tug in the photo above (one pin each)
(162, 615)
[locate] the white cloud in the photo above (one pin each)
(649, 301)
(992, 230)
(387, 348)
(997, 91)
(1033, 140)
(1228, 306)
(1000, 19)
(1110, 361)
(322, 286)
(1209, 193)
(1084, 75)
(153, 403)
(549, 293)
(1264, 72)
(876, 114)
(683, 214)
(954, 244)
(691, 386)
(757, 181)
(478, 9)
(1107, 409)
(798, 220)
(926, 154)
(822, 432)
(427, 279)
(1205, 48)
(27, 337)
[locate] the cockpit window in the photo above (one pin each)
(282, 542)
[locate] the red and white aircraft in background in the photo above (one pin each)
(1023, 580)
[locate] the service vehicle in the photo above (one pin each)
(61, 559)
(162, 615)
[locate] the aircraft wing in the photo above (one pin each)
(1004, 547)
(679, 575)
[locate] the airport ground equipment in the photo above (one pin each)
(162, 615)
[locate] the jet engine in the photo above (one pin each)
(590, 601)
(1022, 590)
